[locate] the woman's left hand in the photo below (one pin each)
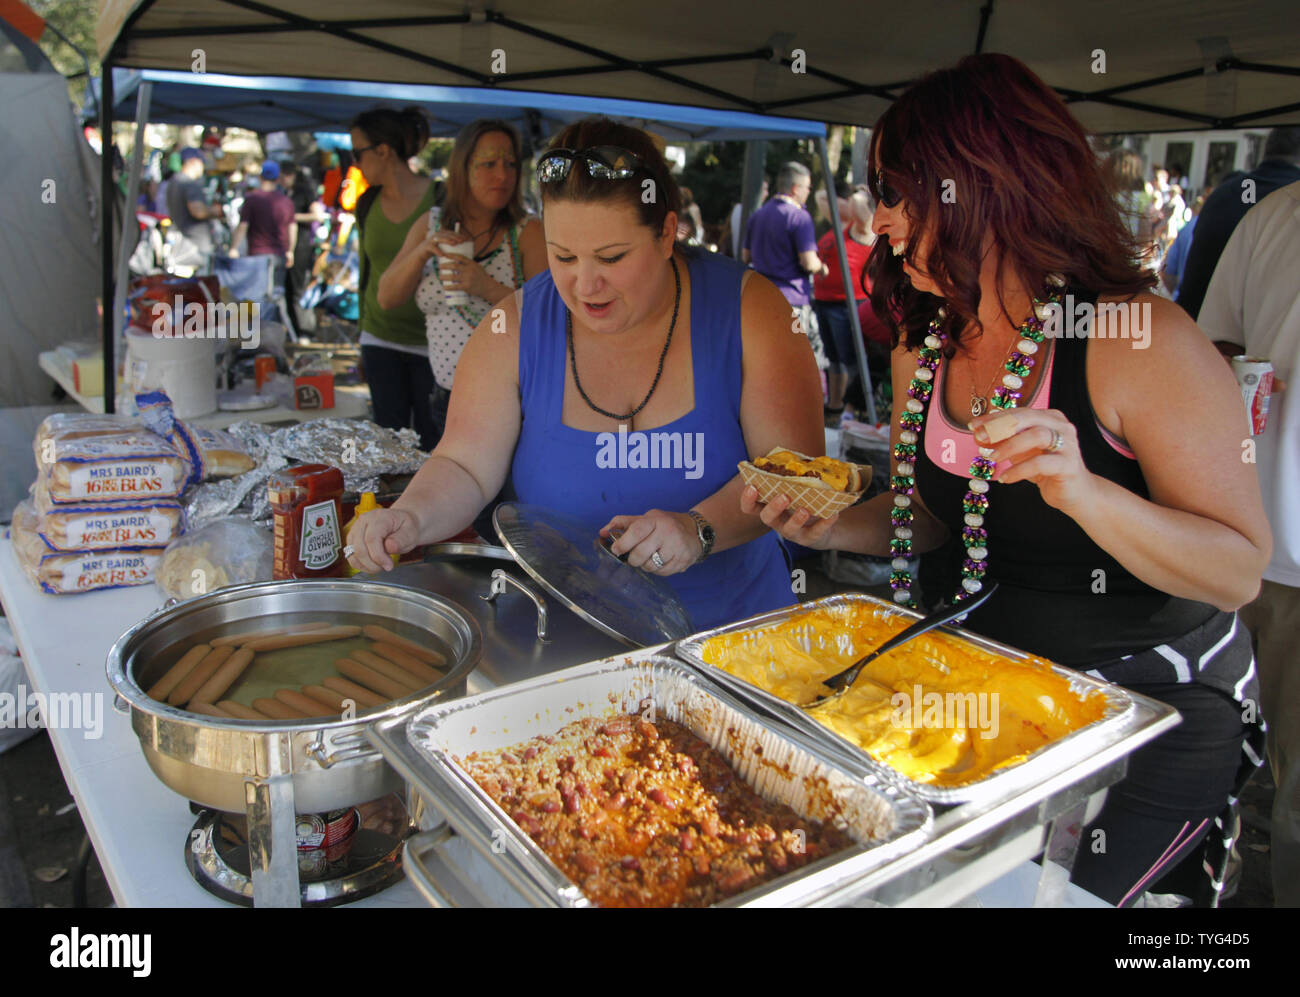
(671, 535)
(459, 273)
(1060, 474)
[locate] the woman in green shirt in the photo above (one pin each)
(394, 350)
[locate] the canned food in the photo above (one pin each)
(1255, 378)
(324, 842)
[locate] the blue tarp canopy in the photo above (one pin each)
(279, 103)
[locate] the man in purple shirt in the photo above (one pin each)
(780, 240)
(781, 244)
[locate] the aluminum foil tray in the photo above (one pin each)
(1117, 720)
(874, 809)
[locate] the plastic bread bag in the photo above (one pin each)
(230, 551)
(90, 527)
(67, 573)
(119, 467)
(221, 453)
(223, 456)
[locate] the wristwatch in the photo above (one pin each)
(704, 530)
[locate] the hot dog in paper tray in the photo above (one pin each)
(822, 485)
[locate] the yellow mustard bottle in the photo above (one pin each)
(368, 502)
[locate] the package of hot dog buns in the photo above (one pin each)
(106, 527)
(210, 453)
(68, 572)
(822, 485)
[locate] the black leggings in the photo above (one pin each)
(400, 384)
(1158, 817)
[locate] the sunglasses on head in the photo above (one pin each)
(604, 162)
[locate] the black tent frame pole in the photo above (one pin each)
(106, 231)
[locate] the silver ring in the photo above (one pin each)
(1057, 440)
(658, 561)
(348, 551)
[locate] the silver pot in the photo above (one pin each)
(272, 770)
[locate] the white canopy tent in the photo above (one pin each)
(1123, 67)
(1223, 64)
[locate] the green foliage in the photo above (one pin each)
(714, 171)
(75, 20)
(436, 154)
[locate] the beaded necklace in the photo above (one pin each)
(911, 424)
(672, 326)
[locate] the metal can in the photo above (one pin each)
(324, 842)
(1255, 378)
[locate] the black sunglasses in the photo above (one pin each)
(604, 162)
(883, 191)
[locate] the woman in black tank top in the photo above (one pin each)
(1109, 500)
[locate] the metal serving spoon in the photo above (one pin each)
(841, 682)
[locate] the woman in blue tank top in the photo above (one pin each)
(622, 387)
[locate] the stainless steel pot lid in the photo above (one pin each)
(566, 557)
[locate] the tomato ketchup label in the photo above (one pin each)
(321, 537)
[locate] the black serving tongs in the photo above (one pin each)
(841, 682)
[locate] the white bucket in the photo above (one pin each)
(184, 368)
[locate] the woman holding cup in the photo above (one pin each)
(468, 253)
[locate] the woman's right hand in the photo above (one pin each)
(799, 527)
(378, 535)
(432, 245)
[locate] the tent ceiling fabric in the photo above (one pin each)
(857, 54)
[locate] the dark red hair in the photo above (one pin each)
(985, 148)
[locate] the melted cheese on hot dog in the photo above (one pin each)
(835, 473)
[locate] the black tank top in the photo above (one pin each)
(1060, 595)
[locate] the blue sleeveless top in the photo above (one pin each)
(596, 476)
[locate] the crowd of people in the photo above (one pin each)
(511, 344)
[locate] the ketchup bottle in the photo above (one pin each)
(308, 521)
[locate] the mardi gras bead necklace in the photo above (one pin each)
(911, 425)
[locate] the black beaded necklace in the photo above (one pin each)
(573, 360)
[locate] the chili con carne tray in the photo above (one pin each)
(805, 796)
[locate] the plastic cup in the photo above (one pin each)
(457, 298)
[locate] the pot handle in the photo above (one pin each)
(345, 746)
(121, 705)
(437, 878)
(500, 580)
